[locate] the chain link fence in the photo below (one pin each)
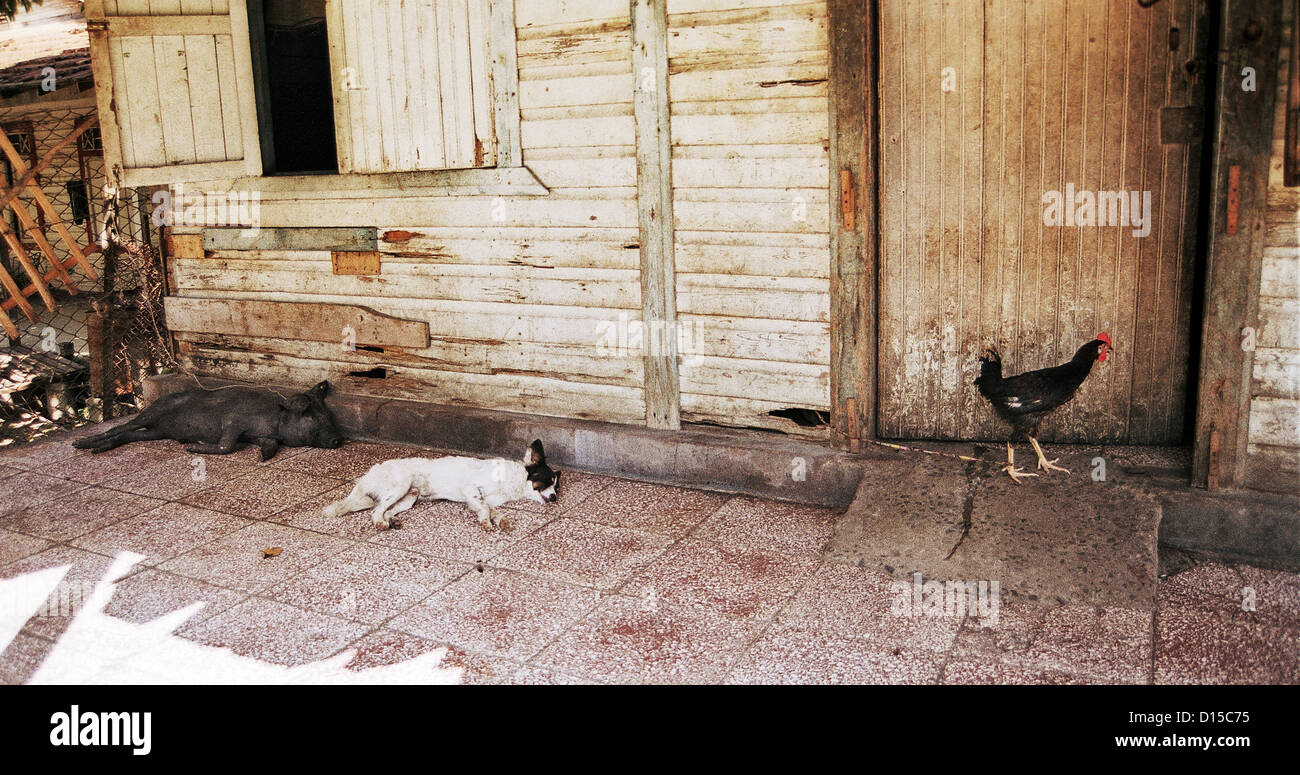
(84, 360)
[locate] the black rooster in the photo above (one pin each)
(1024, 400)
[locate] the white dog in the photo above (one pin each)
(394, 486)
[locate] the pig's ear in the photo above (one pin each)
(299, 403)
(320, 390)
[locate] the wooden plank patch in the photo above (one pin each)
(286, 238)
(346, 324)
(185, 246)
(355, 262)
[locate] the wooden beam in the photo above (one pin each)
(16, 295)
(852, 76)
(160, 26)
(289, 238)
(43, 201)
(34, 229)
(37, 281)
(305, 321)
(1249, 36)
(8, 324)
(16, 190)
(48, 277)
(505, 82)
(655, 210)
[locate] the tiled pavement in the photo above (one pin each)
(619, 581)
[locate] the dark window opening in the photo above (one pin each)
(295, 91)
(805, 418)
(378, 372)
(79, 200)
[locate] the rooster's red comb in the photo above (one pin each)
(1105, 337)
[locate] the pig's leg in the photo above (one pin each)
(229, 438)
(267, 448)
(118, 439)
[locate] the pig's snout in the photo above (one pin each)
(335, 442)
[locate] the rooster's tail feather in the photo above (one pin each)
(990, 368)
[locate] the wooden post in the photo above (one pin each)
(1243, 133)
(853, 122)
(655, 205)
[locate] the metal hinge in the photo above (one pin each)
(847, 207)
(97, 25)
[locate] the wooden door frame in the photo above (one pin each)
(1249, 35)
(854, 124)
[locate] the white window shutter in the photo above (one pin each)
(412, 84)
(174, 83)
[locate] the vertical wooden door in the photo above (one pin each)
(986, 107)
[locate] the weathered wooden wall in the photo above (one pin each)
(750, 153)
(532, 301)
(1273, 448)
(1040, 95)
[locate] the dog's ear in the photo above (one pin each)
(535, 455)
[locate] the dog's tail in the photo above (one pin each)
(356, 501)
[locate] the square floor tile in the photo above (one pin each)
(1101, 645)
(628, 641)
(38, 455)
(116, 465)
(16, 546)
(85, 571)
(261, 493)
(986, 672)
(498, 613)
(752, 523)
(24, 490)
(656, 508)
(388, 647)
(20, 660)
(149, 594)
(792, 655)
(1201, 645)
(738, 583)
(274, 632)
(852, 602)
(161, 533)
(236, 562)
(367, 583)
(177, 477)
(579, 552)
(77, 513)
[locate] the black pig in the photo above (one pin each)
(214, 422)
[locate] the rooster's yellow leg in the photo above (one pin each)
(1043, 462)
(1010, 467)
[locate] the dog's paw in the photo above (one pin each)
(505, 524)
(381, 523)
(486, 524)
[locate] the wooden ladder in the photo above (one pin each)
(39, 283)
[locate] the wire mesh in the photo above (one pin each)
(84, 360)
